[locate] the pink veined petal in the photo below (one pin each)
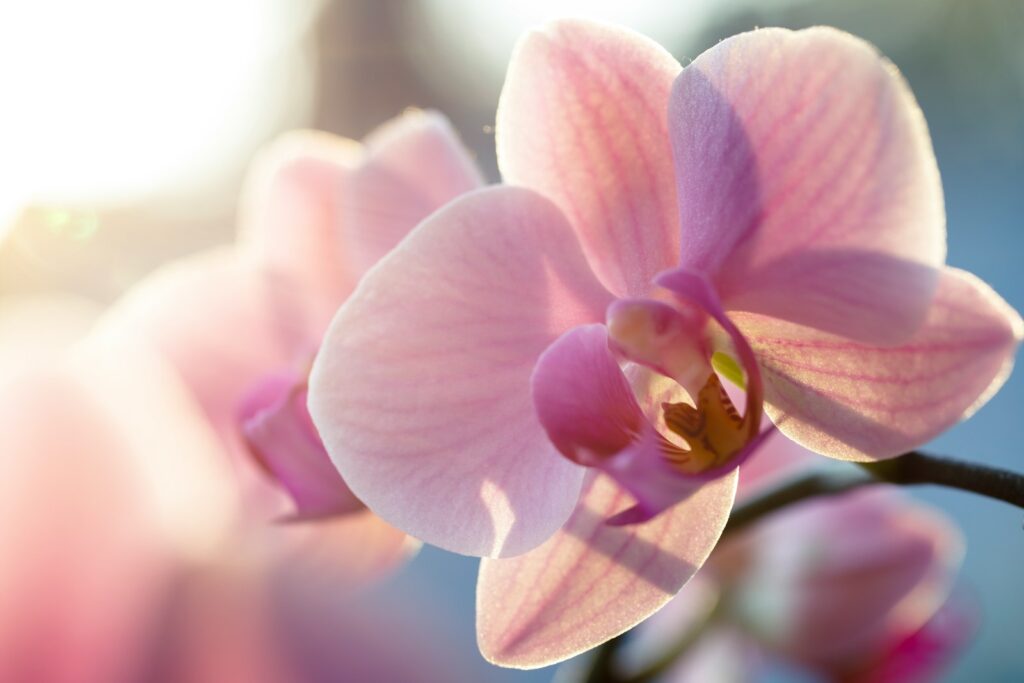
(223, 322)
(284, 442)
(421, 390)
(592, 581)
(412, 166)
(857, 402)
(808, 187)
(291, 211)
(582, 120)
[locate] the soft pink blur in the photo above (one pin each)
(130, 558)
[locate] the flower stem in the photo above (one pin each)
(921, 468)
(909, 469)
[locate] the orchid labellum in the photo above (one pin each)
(542, 357)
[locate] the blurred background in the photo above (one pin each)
(126, 127)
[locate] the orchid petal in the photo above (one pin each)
(283, 440)
(592, 581)
(857, 402)
(413, 165)
(223, 323)
(421, 390)
(291, 210)
(582, 120)
(583, 399)
(807, 183)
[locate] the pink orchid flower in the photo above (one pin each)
(772, 210)
(855, 588)
(123, 561)
(242, 323)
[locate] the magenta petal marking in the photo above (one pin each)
(583, 400)
(590, 412)
(282, 439)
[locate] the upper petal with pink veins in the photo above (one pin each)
(290, 213)
(807, 184)
(421, 390)
(857, 402)
(324, 209)
(411, 167)
(582, 120)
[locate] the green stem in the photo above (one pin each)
(909, 469)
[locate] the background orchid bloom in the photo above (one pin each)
(855, 588)
(241, 324)
(754, 209)
(125, 562)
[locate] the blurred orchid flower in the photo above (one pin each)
(241, 324)
(773, 211)
(124, 559)
(855, 588)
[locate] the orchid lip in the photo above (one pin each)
(282, 440)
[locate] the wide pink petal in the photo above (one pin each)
(592, 581)
(224, 323)
(412, 166)
(808, 187)
(857, 402)
(582, 120)
(421, 391)
(291, 211)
